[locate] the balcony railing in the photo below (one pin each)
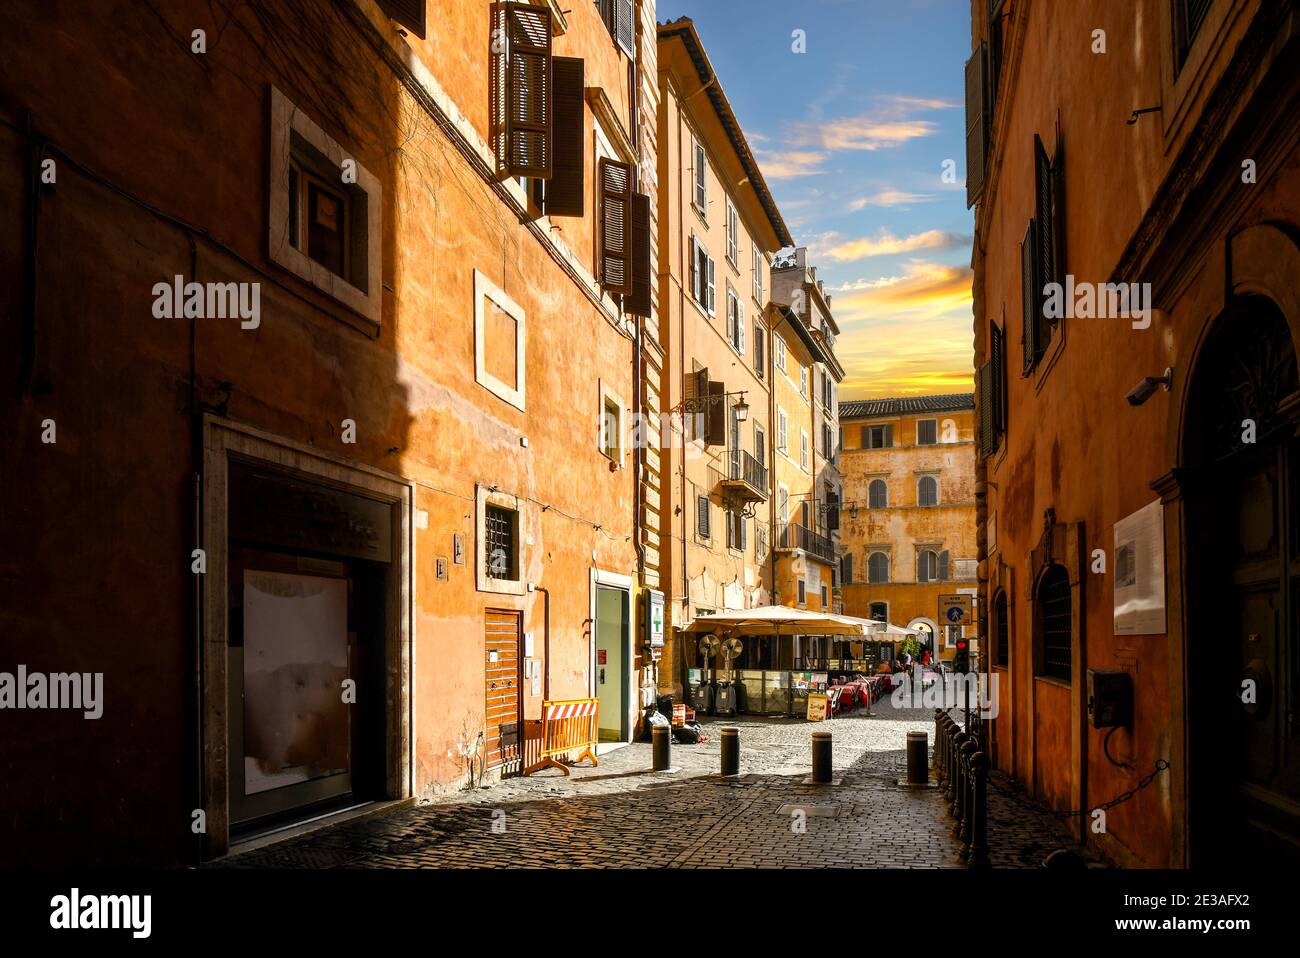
(795, 536)
(746, 476)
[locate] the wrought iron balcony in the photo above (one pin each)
(746, 477)
(795, 536)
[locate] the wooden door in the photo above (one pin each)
(503, 684)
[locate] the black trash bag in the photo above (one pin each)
(690, 734)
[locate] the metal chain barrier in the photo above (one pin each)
(1161, 765)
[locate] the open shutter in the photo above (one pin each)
(1045, 246)
(988, 438)
(565, 189)
(409, 13)
(638, 301)
(1028, 294)
(716, 416)
(976, 122)
(889, 437)
(846, 568)
(615, 198)
(997, 352)
(693, 267)
(527, 95)
(740, 325)
(625, 26)
(943, 566)
(711, 283)
(1058, 210)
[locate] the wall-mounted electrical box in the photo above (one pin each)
(1110, 698)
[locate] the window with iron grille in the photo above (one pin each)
(878, 567)
(500, 536)
(1055, 624)
(1002, 648)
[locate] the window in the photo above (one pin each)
(733, 233)
(500, 542)
(783, 505)
(499, 335)
(620, 20)
(323, 228)
(615, 180)
(499, 535)
(1189, 15)
(702, 517)
(701, 197)
(825, 598)
(826, 390)
(878, 494)
(759, 353)
(977, 122)
(828, 442)
(703, 277)
(1055, 624)
(878, 567)
(991, 384)
(927, 491)
(927, 566)
(735, 321)
(803, 449)
(803, 594)
(611, 429)
(879, 611)
(760, 445)
(877, 437)
(1041, 254)
(736, 530)
(846, 568)
(995, 56)
(759, 263)
(778, 345)
(803, 381)
(782, 430)
(1002, 645)
(408, 13)
(520, 90)
(927, 432)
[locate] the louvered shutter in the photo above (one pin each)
(702, 513)
(889, 437)
(744, 531)
(693, 267)
(988, 440)
(1058, 209)
(833, 518)
(566, 189)
(846, 568)
(1045, 246)
(740, 324)
(625, 26)
(1030, 305)
(758, 351)
(997, 356)
(615, 198)
(976, 122)
(943, 566)
(713, 288)
(409, 13)
(527, 94)
(638, 301)
(716, 416)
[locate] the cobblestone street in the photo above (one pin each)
(622, 815)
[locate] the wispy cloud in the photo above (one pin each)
(835, 247)
(889, 198)
(928, 288)
(860, 133)
(789, 164)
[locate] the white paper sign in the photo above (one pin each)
(1139, 572)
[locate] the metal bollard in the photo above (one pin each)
(938, 739)
(918, 746)
(661, 739)
(963, 820)
(730, 750)
(978, 856)
(954, 773)
(821, 757)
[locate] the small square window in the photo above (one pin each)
(500, 534)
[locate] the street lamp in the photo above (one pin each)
(742, 409)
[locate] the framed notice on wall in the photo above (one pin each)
(1139, 571)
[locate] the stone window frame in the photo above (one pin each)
(483, 497)
(286, 121)
(608, 395)
(515, 396)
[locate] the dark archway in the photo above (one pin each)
(1242, 491)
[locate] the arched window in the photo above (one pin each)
(878, 494)
(878, 567)
(927, 491)
(1055, 626)
(1002, 648)
(927, 566)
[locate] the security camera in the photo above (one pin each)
(1147, 387)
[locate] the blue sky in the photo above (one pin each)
(852, 136)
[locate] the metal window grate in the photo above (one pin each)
(1003, 631)
(499, 537)
(1056, 625)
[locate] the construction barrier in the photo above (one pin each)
(571, 725)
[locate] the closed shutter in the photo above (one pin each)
(409, 13)
(712, 287)
(715, 433)
(1028, 288)
(744, 531)
(988, 440)
(846, 568)
(758, 351)
(889, 437)
(702, 516)
(615, 198)
(740, 325)
(976, 122)
(625, 26)
(997, 351)
(503, 681)
(565, 190)
(1045, 247)
(693, 268)
(638, 301)
(833, 518)
(527, 106)
(943, 566)
(1058, 210)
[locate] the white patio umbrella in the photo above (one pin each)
(778, 620)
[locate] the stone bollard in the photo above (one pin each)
(661, 739)
(730, 750)
(918, 745)
(979, 836)
(821, 757)
(963, 823)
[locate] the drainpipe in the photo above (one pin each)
(196, 601)
(546, 642)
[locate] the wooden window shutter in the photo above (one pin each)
(943, 566)
(693, 267)
(713, 288)
(716, 416)
(624, 28)
(1058, 209)
(527, 94)
(702, 513)
(565, 190)
(638, 301)
(1043, 215)
(744, 531)
(409, 13)
(889, 437)
(615, 198)
(1028, 293)
(976, 122)
(758, 352)
(997, 356)
(988, 440)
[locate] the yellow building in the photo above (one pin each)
(909, 510)
(718, 228)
